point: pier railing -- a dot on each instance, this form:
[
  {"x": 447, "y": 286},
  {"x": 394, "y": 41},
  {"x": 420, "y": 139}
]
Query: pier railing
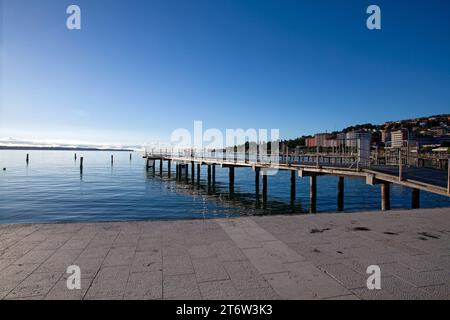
[{"x": 318, "y": 159}]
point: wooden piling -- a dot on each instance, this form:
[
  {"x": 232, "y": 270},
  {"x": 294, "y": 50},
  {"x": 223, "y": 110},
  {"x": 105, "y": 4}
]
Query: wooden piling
[
  {"x": 192, "y": 171},
  {"x": 312, "y": 194},
  {"x": 385, "y": 196},
  {"x": 81, "y": 165},
  {"x": 130, "y": 156},
  {"x": 340, "y": 194},
  {"x": 75, "y": 156},
  {"x": 147, "y": 165},
  {"x": 160, "y": 166},
  {"x": 293, "y": 186},
  {"x": 27, "y": 158},
  {"x": 198, "y": 173},
  {"x": 264, "y": 187},
  {"x": 186, "y": 171},
  {"x": 257, "y": 174},
  {"x": 209, "y": 174},
  {"x": 415, "y": 198},
  {"x": 231, "y": 179},
  {"x": 169, "y": 168},
  {"x": 112, "y": 159},
  {"x": 214, "y": 174}
]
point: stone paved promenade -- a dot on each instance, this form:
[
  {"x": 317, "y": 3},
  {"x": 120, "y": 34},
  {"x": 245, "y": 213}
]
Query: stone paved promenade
[{"x": 323, "y": 256}]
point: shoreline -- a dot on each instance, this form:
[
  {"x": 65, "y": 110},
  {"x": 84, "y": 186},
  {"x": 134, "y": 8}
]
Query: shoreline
[
  {"x": 61, "y": 149},
  {"x": 176, "y": 219}
]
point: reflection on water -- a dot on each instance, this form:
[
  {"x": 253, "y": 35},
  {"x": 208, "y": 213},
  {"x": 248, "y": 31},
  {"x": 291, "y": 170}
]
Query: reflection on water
[{"x": 51, "y": 188}]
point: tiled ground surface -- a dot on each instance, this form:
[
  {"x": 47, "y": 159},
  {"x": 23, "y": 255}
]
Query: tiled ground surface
[{"x": 322, "y": 256}]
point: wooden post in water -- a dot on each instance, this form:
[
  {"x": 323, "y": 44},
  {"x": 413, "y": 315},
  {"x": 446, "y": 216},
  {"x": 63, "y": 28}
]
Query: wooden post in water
[
  {"x": 209, "y": 174},
  {"x": 415, "y": 198},
  {"x": 264, "y": 187},
  {"x": 169, "y": 163},
  {"x": 257, "y": 174},
  {"x": 214, "y": 174},
  {"x": 186, "y": 171},
  {"x": 293, "y": 186},
  {"x": 340, "y": 194},
  {"x": 231, "y": 179},
  {"x": 177, "y": 171},
  {"x": 75, "y": 156},
  {"x": 160, "y": 166},
  {"x": 312, "y": 194},
  {"x": 147, "y": 165},
  {"x": 192, "y": 171},
  {"x": 198, "y": 173},
  {"x": 385, "y": 196},
  {"x": 130, "y": 156},
  {"x": 81, "y": 165},
  {"x": 112, "y": 160},
  {"x": 27, "y": 158}
]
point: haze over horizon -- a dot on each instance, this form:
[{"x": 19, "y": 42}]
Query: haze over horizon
[{"x": 137, "y": 70}]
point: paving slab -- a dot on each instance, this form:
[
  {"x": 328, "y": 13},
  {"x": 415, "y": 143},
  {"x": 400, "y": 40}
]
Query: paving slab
[{"x": 320, "y": 256}]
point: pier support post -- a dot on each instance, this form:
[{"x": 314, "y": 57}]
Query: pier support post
[
  {"x": 293, "y": 186},
  {"x": 75, "y": 156},
  {"x": 198, "y": 173},
  {"x": 264, "y": 187},
  {"x": 28, "y": 158},
  {"x": 147, "y": 165},
  {"x": 160, "y": 166},
  {"x": 257, "y": 174},
  {"x": 385, "y": 196},
  {"x": 415, "y": 198},
  {"x": 112, "y": 160},
  {"x": 81, "y": 165},
  {"x": 209, "y": 174},
  {"x": 130, "y": 156},
  {"x": 231, "y": 179},
  {"x": 169, "y": 163},
  {"x": 177, "y": 170},
  {"x": 186, "y": 171},
  {"x": 192, "y": 171},
  {"x": 214, "y": 174},
  {"x": 312, "y": 194},
  {"x": 340, "y": 194}
]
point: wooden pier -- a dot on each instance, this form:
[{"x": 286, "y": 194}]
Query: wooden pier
[{"x": 417, "y": 179}]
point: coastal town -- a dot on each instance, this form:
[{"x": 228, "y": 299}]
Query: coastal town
[{"x": 422, "y": 141}]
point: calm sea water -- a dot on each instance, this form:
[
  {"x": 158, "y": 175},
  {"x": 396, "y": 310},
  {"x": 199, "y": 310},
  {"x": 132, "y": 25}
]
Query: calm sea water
[{"x": 51, "y": 189}]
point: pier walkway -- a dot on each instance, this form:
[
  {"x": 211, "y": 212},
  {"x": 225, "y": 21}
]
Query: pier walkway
[
  {"x": 322, "y": 256},
  {"x": 311, "y": 166}
]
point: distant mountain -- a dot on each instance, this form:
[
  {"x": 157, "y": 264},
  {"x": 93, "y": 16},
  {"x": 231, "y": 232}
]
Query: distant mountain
[
  {"x": 10, "y": 143},
  {"x": 61, "y": 148}
]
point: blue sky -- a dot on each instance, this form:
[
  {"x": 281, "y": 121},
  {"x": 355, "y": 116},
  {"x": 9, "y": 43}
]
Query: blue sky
[{"x": 137, "y": 70}]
